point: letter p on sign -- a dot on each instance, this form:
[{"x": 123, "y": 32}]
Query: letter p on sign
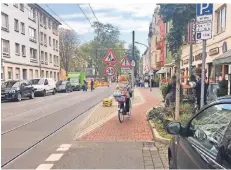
[{"x": 204, "y": 9}]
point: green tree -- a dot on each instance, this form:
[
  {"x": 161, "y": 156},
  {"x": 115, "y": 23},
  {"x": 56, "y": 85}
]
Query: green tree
[{"x": 180, "y": 15}]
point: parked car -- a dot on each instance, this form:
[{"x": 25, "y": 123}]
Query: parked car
[
  {"x": 204, "y": 142},
  {"x": 16, "y": 90},
  {"x": 44, "y": 86},
  {"x": 64, "y": 86}
]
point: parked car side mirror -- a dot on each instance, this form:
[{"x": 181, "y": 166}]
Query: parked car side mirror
[
  {"x": 46, "y": 83},
  {"x": 173, "y": 128}
]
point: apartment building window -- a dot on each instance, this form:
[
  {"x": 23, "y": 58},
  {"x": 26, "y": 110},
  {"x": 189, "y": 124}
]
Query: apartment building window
[
  {"x": 10, "y": 73},
  {"x": 5, "y": 48},
  {"x": 32, "y": 14},
  {"x": 23, "y": 50},
  {"x": 51, "y": 75},
  {"x": 33, "y": 54},
  {"x": 45, "y": 39},
  {"x": 56, "y": 45},
  {"x": 22, "y": 28},
  {"x": 55, "y": 76},
  {"x": 22, "y": 7},
  {"x": 41, "y": 38},
  {"x": 32, "y": 34},
  {"x": 17, "y": 49},
  {"x": 46, "y": 58},
  {"x": 221, "y": 19},
  {"x": 41, "y": 18},
  {"x": 16, "y": 5},
  {"x": 42, "y": 56},
  {"x": 16, "y": 25},
  {"x": 50, "y": 58},
  {"x": 49, "y": 23},
  {"x": 6, "y": 4},
  {"x": 50, "y": 41},
  {"x": 31, "y": 74},
  {"x": 2, "y": 73},
  {"x": 44, "y": 21},
  {"x": 54, "y": 60},
  {"x": 5, "y": 22},
  {"x": 36, "y": 74},
  {"x": 17, "y": 73},
  {"x": 53, "y": 44}
]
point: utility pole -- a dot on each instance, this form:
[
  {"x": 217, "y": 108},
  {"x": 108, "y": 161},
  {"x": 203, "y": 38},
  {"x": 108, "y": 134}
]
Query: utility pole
[
  {"x": 96, "y": 65},
  {"x": 133, "y": 57},
  {"x": 203, "y": 74},
  {"x": 190, "y": 52}
]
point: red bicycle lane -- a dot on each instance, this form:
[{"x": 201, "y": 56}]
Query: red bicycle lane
[{"x": 134, "y": 129}]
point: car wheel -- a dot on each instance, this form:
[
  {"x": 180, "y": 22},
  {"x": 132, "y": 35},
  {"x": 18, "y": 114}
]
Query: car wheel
[
  {"x": 54, "y": 92},
  {"x": 171, "y": 162},
  {"x": 19, "y": 97},
  {"x": 44, "y": 93},
  {"x": 32, "y": 95}
]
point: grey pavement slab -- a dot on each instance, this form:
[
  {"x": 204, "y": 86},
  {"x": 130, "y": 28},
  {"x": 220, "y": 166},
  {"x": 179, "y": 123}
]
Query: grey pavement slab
[{"x": 102, "y": 155}]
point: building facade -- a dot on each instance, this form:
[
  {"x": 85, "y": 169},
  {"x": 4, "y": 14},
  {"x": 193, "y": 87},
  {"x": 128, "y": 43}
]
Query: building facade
[
  {"x": 219, "y": 45},
  {"x": 30, "y": 43}
]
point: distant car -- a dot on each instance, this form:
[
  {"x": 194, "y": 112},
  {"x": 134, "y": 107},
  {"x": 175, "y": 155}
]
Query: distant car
[
  {"x": 44, "y": 86},
  {"x": 64, "y": 86},
  {"x": 16, "y": 90},
  {"x": 204, "y": 142}
]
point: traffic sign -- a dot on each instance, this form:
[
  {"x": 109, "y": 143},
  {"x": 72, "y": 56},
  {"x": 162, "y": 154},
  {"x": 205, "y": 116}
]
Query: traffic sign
[
  {"x": 204, "y": 21},
  {"x": 110, "y": 57},
  {"x": 109, "y": 70},
  {"x": 204, "y": 9},
  {"x": 125, "y": 63}
]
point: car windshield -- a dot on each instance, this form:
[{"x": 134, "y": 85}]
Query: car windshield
[
  {"x": 10, "y": 84},
  {"x": 37, "y": 81},
  {"x": 62, "y": 83}
]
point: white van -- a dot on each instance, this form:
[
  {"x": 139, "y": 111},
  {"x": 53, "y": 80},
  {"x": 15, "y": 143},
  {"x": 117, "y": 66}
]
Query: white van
[{"x": 44, "y": 86}]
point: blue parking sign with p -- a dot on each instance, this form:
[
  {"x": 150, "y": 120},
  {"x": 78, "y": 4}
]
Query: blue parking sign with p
[{"x": 204, "y": 9}]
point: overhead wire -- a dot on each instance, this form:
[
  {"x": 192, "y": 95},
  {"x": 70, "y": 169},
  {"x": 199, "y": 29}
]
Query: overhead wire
[
  {"x": 93, "y": 12},
  {"x": 85, "y": 15}
]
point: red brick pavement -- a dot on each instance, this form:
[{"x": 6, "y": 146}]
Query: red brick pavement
[{"x": 136, "y": 128}]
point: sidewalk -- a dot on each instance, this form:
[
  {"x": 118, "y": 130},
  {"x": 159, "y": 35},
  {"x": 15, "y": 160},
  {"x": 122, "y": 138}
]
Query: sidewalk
[{"x": 105, "y": 143}]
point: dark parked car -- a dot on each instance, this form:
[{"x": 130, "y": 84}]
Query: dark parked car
[
  {"x": 205, "y": 141},
  {"x": 63, "y": 86},
  {"x": 16, "y": 90}
]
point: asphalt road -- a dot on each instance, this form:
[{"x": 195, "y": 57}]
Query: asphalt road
[{"x": 29, "y": 124}]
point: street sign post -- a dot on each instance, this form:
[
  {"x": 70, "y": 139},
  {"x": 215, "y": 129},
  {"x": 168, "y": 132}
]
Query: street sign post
[
  {"x": 204, "y": 20},
  {"x": 110, "y": 57},
  {"x": 109, "y": 70}
]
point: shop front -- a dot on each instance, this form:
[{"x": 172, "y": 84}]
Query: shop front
[{"x": 223, "y": 69}]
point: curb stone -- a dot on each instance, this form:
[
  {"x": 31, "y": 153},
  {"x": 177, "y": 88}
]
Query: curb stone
[{"x": 156, "y": 135}]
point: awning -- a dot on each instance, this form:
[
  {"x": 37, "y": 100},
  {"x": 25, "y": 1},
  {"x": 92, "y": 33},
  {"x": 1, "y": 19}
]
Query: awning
[
  {"x": 223, "y": 59},
  {"x": 161, "y": 71}
]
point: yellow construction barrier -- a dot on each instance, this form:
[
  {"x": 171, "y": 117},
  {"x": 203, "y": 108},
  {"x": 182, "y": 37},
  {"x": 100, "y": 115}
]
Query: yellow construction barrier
[{"x": 107, "y": 102}]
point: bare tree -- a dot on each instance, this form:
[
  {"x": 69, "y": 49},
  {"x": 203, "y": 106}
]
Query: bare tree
[{"x": 68, "y": 42}]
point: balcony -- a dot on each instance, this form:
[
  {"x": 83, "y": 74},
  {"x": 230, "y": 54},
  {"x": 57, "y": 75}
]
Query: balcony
[
  {"x": 159, "y": 64},
  {"x": 158, "y": 45}
]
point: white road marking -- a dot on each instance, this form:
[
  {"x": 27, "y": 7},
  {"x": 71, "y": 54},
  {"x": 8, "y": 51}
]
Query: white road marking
[
  {"x": 54, "y": 157},
  {"x": 64, "y": 147},
  {"x": 45, "y": 166}
]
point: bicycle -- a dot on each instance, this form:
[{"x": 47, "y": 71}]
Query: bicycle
[{"x": 122, "y": 111}]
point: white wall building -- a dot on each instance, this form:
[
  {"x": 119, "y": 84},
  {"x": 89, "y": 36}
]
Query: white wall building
[{"x": 29, "y": 42}]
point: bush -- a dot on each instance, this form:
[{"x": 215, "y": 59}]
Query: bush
[{"x": 164, "y": 89}]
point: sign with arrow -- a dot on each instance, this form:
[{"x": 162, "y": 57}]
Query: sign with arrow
[
  {"x": 110, "y": 57},
  {"x": 125, "y": 62},
  {"x": 109, "y": 70}
]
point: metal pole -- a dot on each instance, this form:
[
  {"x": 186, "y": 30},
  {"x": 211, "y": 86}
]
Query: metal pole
[
  {"x": 191, "y": 49},
  {"x": 150, "y": 62},
  {"x": 133, "y": 57},
  {"x": 203, "y": 73}
]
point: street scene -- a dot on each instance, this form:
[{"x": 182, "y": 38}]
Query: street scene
[{"x": 99, "y": 86}]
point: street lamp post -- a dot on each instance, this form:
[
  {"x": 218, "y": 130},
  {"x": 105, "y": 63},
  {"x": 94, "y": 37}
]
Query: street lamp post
[
  {"x": 133, "y": 64},
  {"x": 149, "y": 55}
]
